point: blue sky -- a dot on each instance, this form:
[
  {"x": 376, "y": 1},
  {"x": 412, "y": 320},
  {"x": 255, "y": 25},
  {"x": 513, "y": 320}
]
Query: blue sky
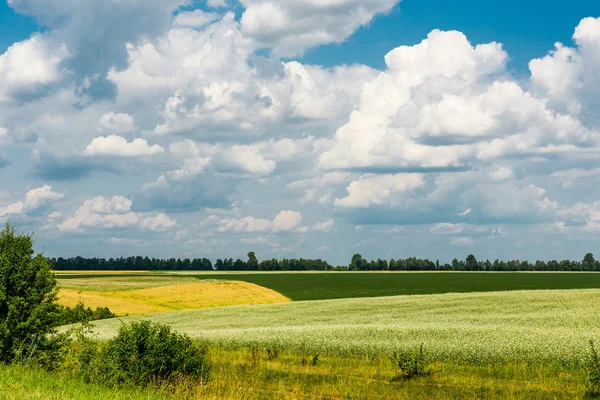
[{"x": 302, "y": 129}]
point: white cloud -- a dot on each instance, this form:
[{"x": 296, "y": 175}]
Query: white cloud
[
  {"x": 246, "y": 224},
  {"x": 287, "y": 220},
  {"x": 40, "y": 197},
  {"x": 447, "y": 229},
  {"x": 216, "y": 3},
  {"x": 194, "y": 19},
  {"x": 466, "y": 212},
  {"x": 290, "y": 27},
  {"x": 117, "y": 123},
  {"x": 102, "y": 213},
  {"x": 461, "y": 241},
  {"x": 284, "y": 221},
  {"x": 324, "y": 226},
  {"x": 30, "y": 66},
  {"x": 379, "y": 189},
  {"x": 118, "y": 146},
  {"x": 36, "y": 200},
  {"x": 12, "y": 209}
]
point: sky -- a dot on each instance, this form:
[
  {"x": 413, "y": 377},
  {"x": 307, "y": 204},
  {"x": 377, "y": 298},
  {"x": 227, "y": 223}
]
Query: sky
[{"x": 315, "y": 129}]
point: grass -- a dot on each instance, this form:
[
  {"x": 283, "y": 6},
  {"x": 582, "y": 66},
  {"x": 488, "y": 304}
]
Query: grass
[
  {"x": 27, "y": 383},
  {"x": 246, "y": 375},
  {"x": 174, "y": 297},
  {"x": 339, "y": 285},
  {"x": 475, "y": 328}
]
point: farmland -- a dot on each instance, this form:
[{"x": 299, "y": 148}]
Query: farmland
[
  {"x": 486, "y": 335},
  {"x": 299, "y": 286},
  {"x": 475, "y": 328},
  {"x": 204, "y": 294}
]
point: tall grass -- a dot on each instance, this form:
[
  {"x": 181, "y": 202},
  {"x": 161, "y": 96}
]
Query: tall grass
[{"x": 242, "y": 375}]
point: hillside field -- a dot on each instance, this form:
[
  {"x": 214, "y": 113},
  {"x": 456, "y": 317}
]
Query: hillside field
[
  {"x": 483, "y": 337},
  {"x": 338, "y": 285},
  {"x": 475, "y": 328}
]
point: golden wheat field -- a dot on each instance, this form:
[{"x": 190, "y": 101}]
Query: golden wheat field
[{"x": 173, "y": 297}]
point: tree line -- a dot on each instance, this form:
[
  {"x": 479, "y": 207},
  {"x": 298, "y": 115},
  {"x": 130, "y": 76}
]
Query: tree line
[{"x": 358, "y": 263}]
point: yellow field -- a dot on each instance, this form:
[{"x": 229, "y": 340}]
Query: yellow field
[
  {"x": 110, "y": 283},
  {"x": 208, "y": 294}
]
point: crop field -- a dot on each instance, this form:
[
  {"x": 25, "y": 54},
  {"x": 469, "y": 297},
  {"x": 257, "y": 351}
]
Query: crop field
[
  {"x": 164, "y": 295},
  {"x": 338, "y": 285},
  {"x": 475, "y": 328}
]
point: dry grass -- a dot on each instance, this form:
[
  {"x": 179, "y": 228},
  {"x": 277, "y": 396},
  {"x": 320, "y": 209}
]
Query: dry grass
[
  {"x": 178, "y": 297},
  {"x": 129, "y": 282},
  {"x": 102, "y": 272}
]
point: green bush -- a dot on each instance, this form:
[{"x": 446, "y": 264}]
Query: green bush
[
  {"x": 593, "y": 387},
  {"x": 79, "y": 313},
  {"x": 146, "y": 352},
  {"x": 412, "y": 364},
  {"x": 28, "y": 309}
]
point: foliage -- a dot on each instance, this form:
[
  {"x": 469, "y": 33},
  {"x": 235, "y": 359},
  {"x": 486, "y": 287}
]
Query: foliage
[
  {"x": 79, "y": 313},
  {"x": 358, "y": 263},
  {"x": 593, "y": 387},
  {"x": 28, "y": 311},
  {"x": 412, "y": 364},
  {"x": 145, "y": 352}
]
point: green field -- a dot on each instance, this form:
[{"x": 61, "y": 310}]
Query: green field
[
  {"x": 338, "y": 285},
  {"x": 475, "y": 328}
]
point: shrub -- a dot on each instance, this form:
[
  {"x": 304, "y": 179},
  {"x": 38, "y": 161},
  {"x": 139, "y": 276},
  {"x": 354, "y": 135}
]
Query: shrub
[
  {"x": 28, "y": 308},
  {"x": 79, "y": 313},
  {"x": 593, "y": 387},
  {"x": 412, "y": 364},
  {"x": 146, "y": 352}
]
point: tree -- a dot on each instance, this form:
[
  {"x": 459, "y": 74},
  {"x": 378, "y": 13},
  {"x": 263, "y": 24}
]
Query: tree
[
  {"x": 358, "y": 263},
  {"x": 471, "y": 263},
  {"x": 588, "y": 262},
  {"x": 252, "y": 261},
  {"x": 28, "y": 290}
]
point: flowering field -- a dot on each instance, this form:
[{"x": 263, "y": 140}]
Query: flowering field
[{"x": 529, "y": 326}]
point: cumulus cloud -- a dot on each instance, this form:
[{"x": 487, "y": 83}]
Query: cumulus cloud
[
  {"x": 87, "y": 30},
  {"x": 290, "y": 27},
  {"x": 36, "y": 201},
  {"x": 284, "y": 221},
  {"x": 116, "y": 123},
  {"x": 287, "y": 220},
  {"x": 102, "y": 213},
  {"x": 194, "y": 19},
  {"x": 324, "y": 226},
  {"x": 30, "y": 68},
  {"x": 119, "y": 147},
  {"x": 379, "y": 189}
]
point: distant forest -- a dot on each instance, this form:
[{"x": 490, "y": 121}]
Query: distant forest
[{"x": 358, "y": 263}]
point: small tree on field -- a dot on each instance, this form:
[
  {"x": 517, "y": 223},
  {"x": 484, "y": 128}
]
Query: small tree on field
[{"x": 28, "y": 308}]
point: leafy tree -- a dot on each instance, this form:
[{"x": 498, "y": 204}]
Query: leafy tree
[
  {"x": 471, "y": 263},
  {"x": 358, "y": 263},
  {"x": 28, "y": 308},
  {"x": 252, "y": 261},
  {"x": 588, "y": 261}
]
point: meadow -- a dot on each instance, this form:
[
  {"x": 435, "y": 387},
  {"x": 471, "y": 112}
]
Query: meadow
[{"x": 240, "y": 374}]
